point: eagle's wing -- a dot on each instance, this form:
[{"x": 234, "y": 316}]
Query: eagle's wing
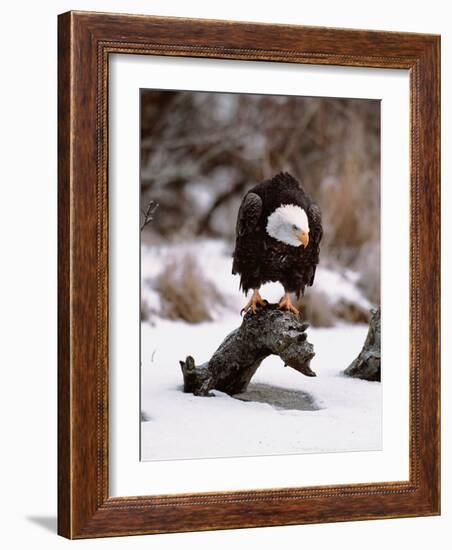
[
  {"x": 315, "y": 236},
  {"x": 249, "y": 213},
  {"x": 245, "y": 256}
]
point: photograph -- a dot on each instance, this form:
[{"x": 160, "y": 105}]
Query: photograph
[
  {"x": 260, "y": 275},
  {"x": 224, "y": 325}
]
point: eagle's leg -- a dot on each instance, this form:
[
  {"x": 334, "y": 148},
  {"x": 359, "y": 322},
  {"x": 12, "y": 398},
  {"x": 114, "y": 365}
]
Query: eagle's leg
[
  {"x": 286, "y": 304},
  {"x": 255, "y": 300}
]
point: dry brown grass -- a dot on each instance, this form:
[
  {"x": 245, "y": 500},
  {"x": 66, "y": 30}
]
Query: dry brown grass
[
  {"x": 185, "y": 293},
  {"x": 368, "y": 266},
  {"x": 319, "y": 311},
  {"x": 144, "y": 312},
  {"x": 316, "y": 308},
  {"x": 351, "y": 312}
]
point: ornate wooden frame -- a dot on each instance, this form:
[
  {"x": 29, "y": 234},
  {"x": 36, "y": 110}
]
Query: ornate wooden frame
[{"x": 85, "y": 41}]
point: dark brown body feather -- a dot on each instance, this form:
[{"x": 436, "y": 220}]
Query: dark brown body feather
[{"x": 259, "y": 258}]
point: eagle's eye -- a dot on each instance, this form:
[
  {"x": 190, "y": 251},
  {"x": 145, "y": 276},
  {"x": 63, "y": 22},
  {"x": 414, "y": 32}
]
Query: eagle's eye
[{"x": 295, "y": 227}]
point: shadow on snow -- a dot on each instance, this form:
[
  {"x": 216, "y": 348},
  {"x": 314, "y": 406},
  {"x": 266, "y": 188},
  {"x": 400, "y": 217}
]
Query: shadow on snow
[{"x": 279, "y": 398}]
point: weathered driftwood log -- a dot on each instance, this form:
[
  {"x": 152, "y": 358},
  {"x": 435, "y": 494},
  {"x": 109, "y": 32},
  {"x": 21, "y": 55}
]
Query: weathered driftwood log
[
  {"x": 368, "y": 363},
  {"x": 267, "y": 332}
]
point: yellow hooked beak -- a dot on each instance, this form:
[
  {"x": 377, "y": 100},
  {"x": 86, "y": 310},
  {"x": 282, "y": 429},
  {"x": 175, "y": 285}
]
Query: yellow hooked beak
[{"x": 304, "y": 238}]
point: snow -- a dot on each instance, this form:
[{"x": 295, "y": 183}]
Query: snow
[
  {"x": 341, "y": 286},
  {"x": 337, "y": 413},
  {"x": 283, "y": 411}
]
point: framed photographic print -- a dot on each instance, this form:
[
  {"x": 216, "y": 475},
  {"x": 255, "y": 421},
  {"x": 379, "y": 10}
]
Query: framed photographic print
[{"x": 248, "y": 275}]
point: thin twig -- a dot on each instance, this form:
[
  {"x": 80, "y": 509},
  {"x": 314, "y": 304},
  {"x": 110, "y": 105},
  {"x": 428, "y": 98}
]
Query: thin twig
[{"x": 148, "y": 214}]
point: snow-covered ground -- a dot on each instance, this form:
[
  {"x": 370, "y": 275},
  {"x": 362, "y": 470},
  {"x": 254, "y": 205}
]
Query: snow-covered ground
[
  {"x": 347, "y": 415},
  {"x": 283, "y": 410}
]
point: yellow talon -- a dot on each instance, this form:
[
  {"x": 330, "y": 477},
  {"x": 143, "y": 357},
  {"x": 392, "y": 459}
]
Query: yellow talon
[
  {"x": 286, "y": 305},
  {"x": 255, "y": 300}
]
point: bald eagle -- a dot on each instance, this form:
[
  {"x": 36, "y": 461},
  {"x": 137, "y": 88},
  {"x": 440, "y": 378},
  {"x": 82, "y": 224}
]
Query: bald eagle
[{"x": 278, "y": 234}]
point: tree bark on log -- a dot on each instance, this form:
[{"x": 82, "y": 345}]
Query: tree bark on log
[
  {"x": 269, "y": 331},
  {"x": 367, "y": 365}
]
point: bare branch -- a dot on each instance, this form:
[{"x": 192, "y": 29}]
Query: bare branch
[
  {"x": 231, "y": 367},
  {"x": 148, "y": 214}
]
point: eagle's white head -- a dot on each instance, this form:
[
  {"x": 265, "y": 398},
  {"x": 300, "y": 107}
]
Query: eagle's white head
[{"x": 289, "y": 224}]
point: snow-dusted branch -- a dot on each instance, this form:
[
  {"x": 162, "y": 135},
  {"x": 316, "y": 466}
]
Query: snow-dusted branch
[{"x": 267, "y": 332}]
